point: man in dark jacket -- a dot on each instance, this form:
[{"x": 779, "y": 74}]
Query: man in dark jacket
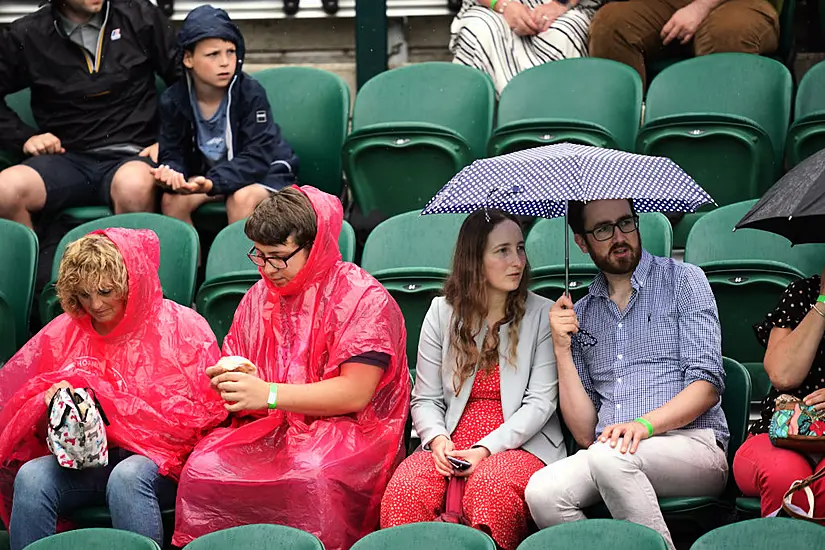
[
  {"x": 218, "y": 140},
  {"x": 90, "y": 65}
]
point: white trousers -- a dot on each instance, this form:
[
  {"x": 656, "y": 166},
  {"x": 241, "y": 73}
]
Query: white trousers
[{"x": 680, "y": 463}]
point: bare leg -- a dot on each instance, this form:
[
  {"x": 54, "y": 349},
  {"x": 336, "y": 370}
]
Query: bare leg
[
  {"x": 182, "y": 206},
  {"x": 133, "y": 188},
  {"x": 22, "y": 193},
  {"x": 242, "y": 203}
]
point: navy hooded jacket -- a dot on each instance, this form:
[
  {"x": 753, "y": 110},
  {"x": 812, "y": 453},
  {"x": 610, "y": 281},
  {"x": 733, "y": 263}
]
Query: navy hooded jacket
[{"x": 256, "y": 151}]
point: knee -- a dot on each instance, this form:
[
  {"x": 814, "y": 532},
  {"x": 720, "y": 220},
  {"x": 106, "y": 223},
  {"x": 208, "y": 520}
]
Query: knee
[
  {"x": 242, "y": 202},
  {"x": 723, "y": 33},
  {"x": 174, "y": 205},
  {"x": 33, "y": 478},
  {"x": 610, "y": 24},
  {"x": 130, "y": 476},
  {"x": 17, "y": 186},
  {"x": 133, "y": 187},
  {"x": 545, "y": 497},
  {"x": 607, "y": 464}
]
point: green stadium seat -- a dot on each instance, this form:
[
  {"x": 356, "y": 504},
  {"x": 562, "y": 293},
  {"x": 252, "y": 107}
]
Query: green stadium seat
[
  {"x": 430, "y": 535},
  {"x": 18, "y": 265},
  {"x": 179, "y": 248},
  {"x": 257, "y": 537},
  {"x": 95, "y": 539},
  {"x": 545, "y": 250},
  {"x": 596, "y": 534},
  {"x": 763, "y": 534},
  {"x": 413, "y": 128},
  {"x": 748, "y": 270},
  {"x": 807, "y": 133},
  {"x": 729, "y": 134},
  {"x": 600, "y": 104},
  {"x": 229, "y": 274},
  {"x": 411, "y": 256}
]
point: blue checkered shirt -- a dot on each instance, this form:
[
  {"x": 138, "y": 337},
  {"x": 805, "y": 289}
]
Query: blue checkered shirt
[{"x": 667, "y": 337}]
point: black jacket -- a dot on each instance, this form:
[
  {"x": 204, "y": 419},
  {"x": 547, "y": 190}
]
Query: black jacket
[
  {"x": 256, "y": 151},
  {"x": 87, "y": 109}
]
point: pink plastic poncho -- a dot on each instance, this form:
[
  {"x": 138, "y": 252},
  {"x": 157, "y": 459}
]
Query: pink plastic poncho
[
  {"x": 322, "y": 475},
  {"x": 148, "y": 374}
]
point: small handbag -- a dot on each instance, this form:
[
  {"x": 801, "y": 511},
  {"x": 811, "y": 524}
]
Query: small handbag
[
  {"x": 76, "y": 433},
  {"x": 453, "y": 502},
  {"x": 796, "y": 426}
]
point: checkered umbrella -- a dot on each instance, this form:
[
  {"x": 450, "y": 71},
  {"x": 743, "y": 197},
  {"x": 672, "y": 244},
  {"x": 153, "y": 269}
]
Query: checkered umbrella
[{"x": 540, "y": 181}]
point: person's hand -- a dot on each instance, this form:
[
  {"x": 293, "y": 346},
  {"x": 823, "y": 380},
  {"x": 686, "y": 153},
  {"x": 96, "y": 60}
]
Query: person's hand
[
  {"x": 241, "y": 391},
  {"x": 168, "y": 177},
  {"x": 816, "y": 399},
  {"x": 440, "y": 447},
  {"x": 520, "y": 19},
  {"x": 684, "y": 23},
  {"x": 151, "y": 152},
  {"x": 563, "y": 322},
  {"x": 474, "y": 456},
  {"x": 56, "y": 388},
  {"x": 630, "y": 432},
  {"x": 196, "y": 184},
  {"x": 545, "y": 14},
  {"x": 43, "y": 144}
]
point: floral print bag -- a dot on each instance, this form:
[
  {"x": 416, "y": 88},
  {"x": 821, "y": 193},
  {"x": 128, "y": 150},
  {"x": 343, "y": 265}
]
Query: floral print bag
[{"x": 797, "y": 426}]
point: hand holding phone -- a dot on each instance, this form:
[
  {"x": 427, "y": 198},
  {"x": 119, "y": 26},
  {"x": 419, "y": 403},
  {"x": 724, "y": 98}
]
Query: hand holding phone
[{"x": 458, "y": 463}]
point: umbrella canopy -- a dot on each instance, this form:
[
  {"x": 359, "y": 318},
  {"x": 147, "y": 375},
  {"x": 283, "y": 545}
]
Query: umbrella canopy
[
  {"x": 795, "y": 206},
  {"x": 540, "y": 181}
]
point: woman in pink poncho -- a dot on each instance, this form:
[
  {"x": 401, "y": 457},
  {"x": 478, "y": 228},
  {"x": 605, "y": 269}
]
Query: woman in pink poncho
[
  {"x": 143, "y": 356},
  {"x": 319, "y": 425}
]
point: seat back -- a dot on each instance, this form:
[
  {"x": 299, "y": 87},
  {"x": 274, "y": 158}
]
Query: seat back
[
  {"x": 312, "y": 107},
  {"x": 596, "y": 534},
  {"x": 807, "y": 133},
  {"x": 411, "y": 256},
  {"x": 95, "y": 539},
  {"x": 179, "y": 248},
  {"x": 736, "y": 402},
  {"x": 445, "y": 94},
  {"x": 257, "y": 536},
  {"x": 430, "y": 535},
  {"x": 603, "y": 92},
  {"x": 18, "y": 265},
  {"x": 729, "y": 135},
  {"x": 762, "y": 534}
]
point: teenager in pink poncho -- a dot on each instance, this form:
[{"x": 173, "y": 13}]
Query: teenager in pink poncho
[
  {"x": 319, "y": 427},
  {"x": 143, "y": 356}
]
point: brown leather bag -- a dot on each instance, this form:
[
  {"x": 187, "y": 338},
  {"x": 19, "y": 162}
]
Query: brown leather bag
[
  {"x": 803, "y": 485},
  {"x": 453, "y": 502}
]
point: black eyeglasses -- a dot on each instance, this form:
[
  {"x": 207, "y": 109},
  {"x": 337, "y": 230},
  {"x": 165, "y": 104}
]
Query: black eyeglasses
[
  {"x": 274, "y": 261},
  {"x": 606, "y": 231}
]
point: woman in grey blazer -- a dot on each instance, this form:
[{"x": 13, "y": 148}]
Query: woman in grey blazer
[{"x": 484, "y": 402}]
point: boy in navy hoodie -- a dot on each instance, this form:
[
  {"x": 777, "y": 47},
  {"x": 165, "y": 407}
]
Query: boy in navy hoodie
[{"x": 217, "y": 139}]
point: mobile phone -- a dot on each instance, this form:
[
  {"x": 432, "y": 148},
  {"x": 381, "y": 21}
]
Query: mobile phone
[{"x": 458, "y": 463}]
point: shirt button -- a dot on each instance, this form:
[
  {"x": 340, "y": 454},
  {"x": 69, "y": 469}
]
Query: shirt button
[
  {"x": 620, "y": 325},
  {"x": 619, "y": 356},
  {"x": 619, "y": 406},
  {"x": 619, "y": 380}
]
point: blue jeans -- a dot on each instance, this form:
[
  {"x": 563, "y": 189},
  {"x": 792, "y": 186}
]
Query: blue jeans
[{"x": 130, "y": 486}]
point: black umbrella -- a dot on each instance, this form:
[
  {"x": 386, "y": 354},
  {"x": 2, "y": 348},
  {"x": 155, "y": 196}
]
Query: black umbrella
[{"x": 795, "y": 206}]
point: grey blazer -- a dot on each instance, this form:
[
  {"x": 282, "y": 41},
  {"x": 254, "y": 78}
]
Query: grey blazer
[{"x": 529, "y": 389}]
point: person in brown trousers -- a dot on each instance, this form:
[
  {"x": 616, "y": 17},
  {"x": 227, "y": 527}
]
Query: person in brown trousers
[{"x": 638, "y": 31}]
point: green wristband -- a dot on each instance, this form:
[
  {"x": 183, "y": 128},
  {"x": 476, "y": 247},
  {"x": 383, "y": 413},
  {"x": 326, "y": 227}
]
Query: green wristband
[
  {"x": 272, "y": 401},
  {"x": 821, "y": 298},
  {"x": 493, "y": 4},
  {"x": 646, "y": 424}
]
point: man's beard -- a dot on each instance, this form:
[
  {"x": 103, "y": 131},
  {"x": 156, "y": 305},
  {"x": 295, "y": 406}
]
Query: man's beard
[{"x": 619, "y": 266}]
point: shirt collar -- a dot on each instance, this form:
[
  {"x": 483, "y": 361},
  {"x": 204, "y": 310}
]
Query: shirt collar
[
  {"x": 68, "y": 26},
  {"x": 599, "y": 285}
]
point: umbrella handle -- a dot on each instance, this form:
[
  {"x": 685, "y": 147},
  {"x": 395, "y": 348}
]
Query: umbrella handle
[{"x": 566, "y": 252}]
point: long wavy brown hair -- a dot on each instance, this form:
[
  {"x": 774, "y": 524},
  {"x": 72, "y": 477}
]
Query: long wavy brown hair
[{"x": 466, "y": 291}]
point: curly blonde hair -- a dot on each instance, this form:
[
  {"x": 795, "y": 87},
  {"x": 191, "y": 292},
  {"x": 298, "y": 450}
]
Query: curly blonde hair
[
  {"x": 89, "y": 263},
  {"x": 466, "y": 291}
]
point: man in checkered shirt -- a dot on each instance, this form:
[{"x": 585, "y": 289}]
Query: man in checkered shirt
[{"x": 640, "y": 386}]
